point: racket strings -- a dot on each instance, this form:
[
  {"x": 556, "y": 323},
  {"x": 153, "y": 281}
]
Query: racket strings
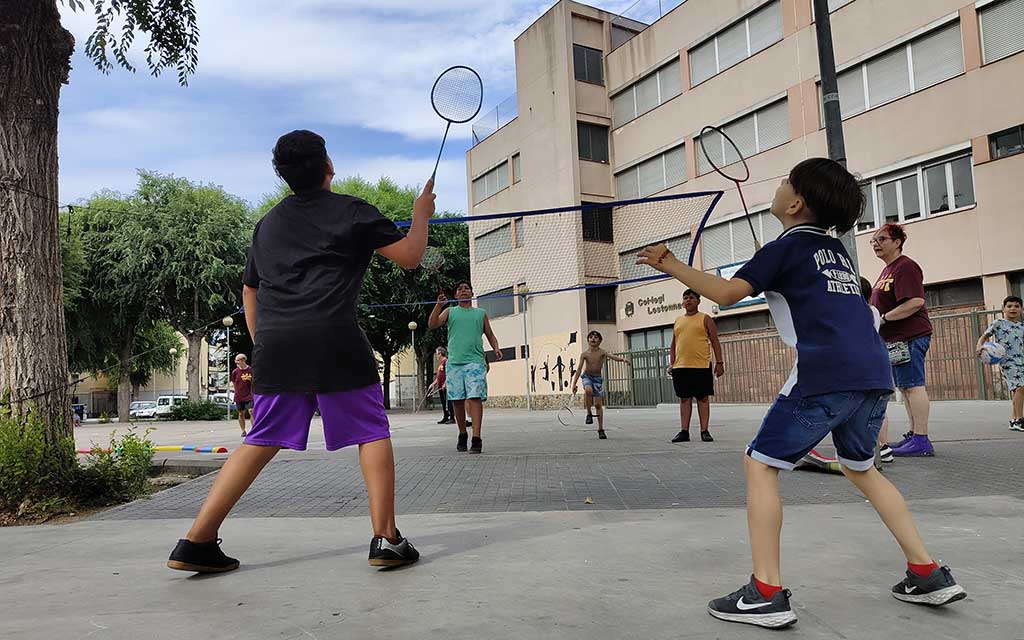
[
  {"x": 433, "y": 259},
  {"x": 457, "y": 94}
]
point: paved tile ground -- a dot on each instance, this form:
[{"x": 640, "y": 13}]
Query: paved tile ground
[{"x": 531, "y": 463}]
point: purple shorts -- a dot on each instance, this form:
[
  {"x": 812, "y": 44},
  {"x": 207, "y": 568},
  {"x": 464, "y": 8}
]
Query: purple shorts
[{"x": 350, "y": 417}]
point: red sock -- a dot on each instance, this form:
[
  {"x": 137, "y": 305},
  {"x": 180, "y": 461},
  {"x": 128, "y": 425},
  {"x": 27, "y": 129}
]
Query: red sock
[
  {"x": 923, "y": 570},
  {"x": 767, "y": 590}
]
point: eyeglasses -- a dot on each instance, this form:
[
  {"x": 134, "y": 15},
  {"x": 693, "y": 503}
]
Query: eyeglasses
[{"x": 878, "y": 239}]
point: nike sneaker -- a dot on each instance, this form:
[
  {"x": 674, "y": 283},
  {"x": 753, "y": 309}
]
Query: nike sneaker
[
  {"x": 885, "y": 453},
  {"x": 903, "y": 440},
  {"x": 1017, "y": 425},
  {"x": 937, "y": 589},
  {"x": 916, "y": 447},
  {"x": 383, "y": 553},
  {"x": 748, "y": 606}
]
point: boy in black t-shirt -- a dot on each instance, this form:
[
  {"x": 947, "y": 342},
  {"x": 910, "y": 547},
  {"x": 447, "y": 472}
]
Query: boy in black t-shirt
[{"x": 301, "y": 283}]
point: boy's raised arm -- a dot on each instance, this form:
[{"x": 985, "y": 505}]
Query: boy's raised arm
[{"x": 717, "y": 288}]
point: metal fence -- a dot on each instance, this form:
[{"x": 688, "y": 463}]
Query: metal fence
[
  {"x": 496, "y": 118},
  {"x": 758, "y": 366}
]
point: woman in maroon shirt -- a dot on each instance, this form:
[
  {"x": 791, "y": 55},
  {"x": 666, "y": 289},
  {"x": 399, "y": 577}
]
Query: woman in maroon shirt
[{"x": 898, "y": 295}]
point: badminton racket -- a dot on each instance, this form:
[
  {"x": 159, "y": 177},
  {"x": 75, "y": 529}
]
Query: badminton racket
[
  {"x": 457, "y": 96},
  {"x": 432, "y": 262},
  {"x": 566, "y": 416},
  {"x": 727, "y": 161}
]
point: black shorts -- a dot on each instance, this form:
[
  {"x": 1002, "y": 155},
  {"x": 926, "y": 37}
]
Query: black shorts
[
  {"x": 693, "y": 382},
  {"x": 243, "y": 405}
]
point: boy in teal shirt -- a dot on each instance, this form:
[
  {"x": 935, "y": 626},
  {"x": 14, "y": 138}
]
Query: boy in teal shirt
[{"x": 467, "y": 367}]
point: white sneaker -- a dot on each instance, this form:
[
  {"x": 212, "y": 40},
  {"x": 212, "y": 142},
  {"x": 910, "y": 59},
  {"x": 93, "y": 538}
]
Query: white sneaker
[{"x": 1017, "y": 425}]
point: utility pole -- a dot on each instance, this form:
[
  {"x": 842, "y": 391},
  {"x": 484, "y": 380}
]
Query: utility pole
[{"x": 830, "y": 98}]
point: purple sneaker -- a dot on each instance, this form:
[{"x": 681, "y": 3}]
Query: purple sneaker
[
  {"x": 904, "y": 439},
  {"x": 916, "y": 447}
]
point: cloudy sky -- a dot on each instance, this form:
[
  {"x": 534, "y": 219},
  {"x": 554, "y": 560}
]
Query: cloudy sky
[{"x": 359, "y": 72}]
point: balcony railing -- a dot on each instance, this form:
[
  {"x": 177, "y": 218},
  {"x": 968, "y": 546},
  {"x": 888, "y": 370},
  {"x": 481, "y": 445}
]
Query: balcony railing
[
  {"x": 496, "y": 118},
  {"x": 637, "y": 17}
]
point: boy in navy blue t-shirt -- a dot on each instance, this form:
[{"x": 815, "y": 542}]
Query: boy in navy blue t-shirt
[{"x": 840, "y": 383}]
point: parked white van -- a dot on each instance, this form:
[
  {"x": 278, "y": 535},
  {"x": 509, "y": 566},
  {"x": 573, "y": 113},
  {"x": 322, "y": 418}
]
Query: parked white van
[{"x": 164, "y": 404}]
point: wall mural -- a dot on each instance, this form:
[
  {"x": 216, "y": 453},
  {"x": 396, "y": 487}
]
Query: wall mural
[{"x": 553, "y": 363}]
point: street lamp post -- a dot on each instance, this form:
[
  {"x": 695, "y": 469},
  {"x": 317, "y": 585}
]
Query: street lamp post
[
  {"x": 415, "y": 368},
  {"x": 174, "y": 376},
  {"x": 227, "y": 322},
  {"x": 523, "y": 292}
]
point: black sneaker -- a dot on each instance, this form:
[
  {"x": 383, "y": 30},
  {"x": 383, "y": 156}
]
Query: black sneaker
[
  {"x": 601, "y": 435},
  {"x": 463, "y": 439},
  {"x": 682, "y": 436},
  {"x": 937, "y": 589},
  {"x": 590, "y": 419},
  {"x": 885, "y": 453},
  {"x": 705, "y": 436},
  {"x": 477, "y": 446},
  {"x": 205, "y": 557},
  {"x": 443, "y": 421},
  {"x": 748, "y": 606},
  {"x": 385, "y": 554}
]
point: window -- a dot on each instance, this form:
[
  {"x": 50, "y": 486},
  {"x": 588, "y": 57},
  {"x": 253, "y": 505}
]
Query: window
[
  {"x": 744, "y": 322},
  {"x": 1016, "y": 283},
  {"x": 490, "y": 183},
  {"x": 493, "y": 243},
  {"x": 1002, "y": 29},
  {"x": 731, "y": 242},
  {"x": 753, "y": 133},
  {"x": 659, "y": 338},
  {"x": 1007, "y": 143},
  {"x": 593, "y": 142},
  {"x": 652, "y": 175},
  {"x": 601, "y": 304},
  {"x": 642, "y": 96},
  {"x": 628, "y": 269},
  {"x": 919, "y": 191},
  {"x": 597, "y": 223},
  {"x": 517, "y": 169},
  {"x": 910, "y": 67},
  {"x": 621, "y": 35},
  {"x": 519, "y": 229},
  {"x": 954, "y": 294},
  {"x": 836, "y": 4},
  {"x": 587, "y": 64},
  {"x": 736, "y": 43},
  {"x": 501, "y": 304}
]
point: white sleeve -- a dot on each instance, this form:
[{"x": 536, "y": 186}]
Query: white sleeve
[{"x": 876, "y": 317}]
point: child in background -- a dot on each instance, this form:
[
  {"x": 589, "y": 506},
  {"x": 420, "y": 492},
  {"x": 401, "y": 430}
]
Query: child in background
[
  {"x": 1009, "y": 332},
  {"x": 591, "y": 366}
]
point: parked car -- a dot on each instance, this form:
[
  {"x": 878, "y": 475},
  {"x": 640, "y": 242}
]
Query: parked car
[
  {"x": 223, "y": 400},
  {"x": 80, "y": 409},
  {"x": 142, "y": 410},
  {"x": 165, "y": 403}
]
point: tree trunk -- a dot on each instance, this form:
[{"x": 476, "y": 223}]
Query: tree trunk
[
  {"x": 124, "y": 384},
  {"x": 195, "y": 349},
  {"x": 135, "y": 390},
  {"x": 35, "y": 56},
  {"x": 387, "y": 379}
]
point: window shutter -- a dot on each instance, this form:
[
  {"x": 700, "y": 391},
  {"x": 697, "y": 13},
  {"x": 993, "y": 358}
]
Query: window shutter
[
  {"x": 675, "y": 166},
  {"x": 716, "y": 246},
  {"x": 937, "y": 56},
  {"x": 888, "y": 78},
  {"x": 771, "y": 228},
  {"x": 742, "y": 241},
  {"x": 652, "y": 176},
  {"x": 1002, "y": 29},
  {"x": 743, "y": 135},
  {"x": 671, "y": 81},
  {"x": 732, "y": 45},
  {"x": 647, "y": 94},
  {"x": 623, "y": 108},
  {"x": 680, "y": 247},
  {"x": 494, "y": 243},
  {"x": 772, "y": 126},
  {"x": 709, "y": 146},
  {"x": 628, "y": 269},
  {"x": 626, "y": 184},
  {"x": 502, "y": 176},
  {"x": 702, "y": 62},
  {"x": 765, "y": 27},
  {"x": 851, "y": 91}
]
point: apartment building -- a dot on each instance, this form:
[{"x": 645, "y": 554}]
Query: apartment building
[{"x": 932, "y": 95}]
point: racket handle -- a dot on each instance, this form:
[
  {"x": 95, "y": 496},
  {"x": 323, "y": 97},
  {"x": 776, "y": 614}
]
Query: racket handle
[{"x": 433, "y": 174}]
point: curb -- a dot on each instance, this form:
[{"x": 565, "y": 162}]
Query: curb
[{"x": 185, "y": 467}]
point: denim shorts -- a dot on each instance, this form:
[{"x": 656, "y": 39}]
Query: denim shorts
[
  {"x": 596, "y": 384},
  {"x": 795, "y": 424},
  {"x": 911, "y": 374}
]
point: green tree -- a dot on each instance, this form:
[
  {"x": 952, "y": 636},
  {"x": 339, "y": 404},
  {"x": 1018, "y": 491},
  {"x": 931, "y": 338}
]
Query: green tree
[
  {"x": 35, "y": 60},
  {"x": 199, "y": 237},
  {"x": 396, "y": 290},
  {"x": 111, "y": 302}
]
